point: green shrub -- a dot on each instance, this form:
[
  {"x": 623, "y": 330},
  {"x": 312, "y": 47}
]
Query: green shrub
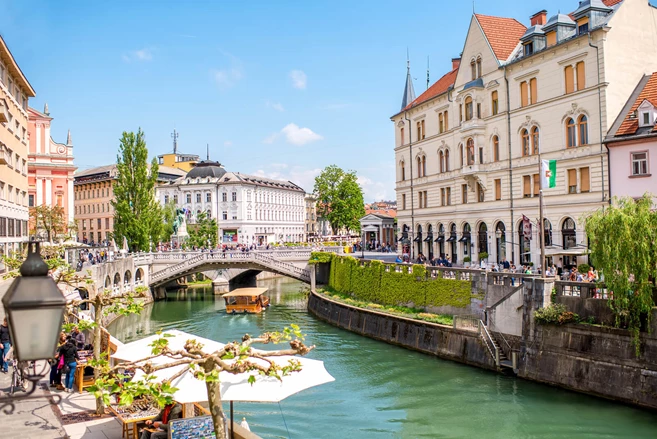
[
  {"x": 583, "y": 268},
  {"x": 467, "y": 259},
  {"x": 555, "y": 314},
  {"x": 320, "y": 257},
  {"x": 483, "y": 255}
]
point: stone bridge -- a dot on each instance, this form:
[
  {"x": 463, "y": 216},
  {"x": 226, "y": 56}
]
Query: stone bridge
[{"x": 157, "y": 269}]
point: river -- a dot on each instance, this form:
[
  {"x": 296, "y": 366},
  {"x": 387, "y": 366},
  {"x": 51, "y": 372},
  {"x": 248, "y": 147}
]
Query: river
[{"x": 383, "y": 391}]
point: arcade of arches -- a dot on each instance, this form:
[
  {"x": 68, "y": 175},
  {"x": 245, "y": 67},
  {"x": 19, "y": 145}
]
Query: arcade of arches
[{"x": 457, "y": 241}]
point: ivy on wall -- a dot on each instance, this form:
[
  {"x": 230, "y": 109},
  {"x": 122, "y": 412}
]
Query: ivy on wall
[{"x": 372, "y": 283}]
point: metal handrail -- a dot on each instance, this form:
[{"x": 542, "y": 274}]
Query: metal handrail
[
  {"x": 485, "y": 335},
  {"x": 494, "y": 329}
]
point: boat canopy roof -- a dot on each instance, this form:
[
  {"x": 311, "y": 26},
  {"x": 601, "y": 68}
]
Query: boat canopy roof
[{"x": 245, "y": 292}]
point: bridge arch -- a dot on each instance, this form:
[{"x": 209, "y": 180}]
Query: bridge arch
[
  {"x": 127, "y": 278},
  {"x": 117, "y": 280},
  {"x": 108, "y": 282},
  {"x": 139, "y": 276}
]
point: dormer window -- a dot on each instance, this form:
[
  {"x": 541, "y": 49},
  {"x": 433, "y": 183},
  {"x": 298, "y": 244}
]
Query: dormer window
[
  {"x": 645, "y": 118},
  {"x": 529, "y": 49},
  {"x": 583, "y": 28},
  {"x": 646, "y": 114}
]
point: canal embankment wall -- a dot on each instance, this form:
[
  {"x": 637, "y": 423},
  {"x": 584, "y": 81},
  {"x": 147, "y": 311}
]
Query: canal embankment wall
[
  {"x": 430, "y": 338},
  {"x": 596, "y": 359}
]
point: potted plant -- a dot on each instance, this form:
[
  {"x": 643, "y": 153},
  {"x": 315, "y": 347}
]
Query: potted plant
[
  {"x": 466, "y": 261},
  {"x": 483, "y": 256}
]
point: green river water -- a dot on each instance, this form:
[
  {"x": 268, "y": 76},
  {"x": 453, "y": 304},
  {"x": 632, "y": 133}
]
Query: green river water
[{"x": 383, "y": 391}]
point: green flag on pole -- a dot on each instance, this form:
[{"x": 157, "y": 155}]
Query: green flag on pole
[{"x": 549, "y": 173}]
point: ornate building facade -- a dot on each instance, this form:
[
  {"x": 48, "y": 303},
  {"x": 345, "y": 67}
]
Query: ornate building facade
[
  {"x": 50, "y": 166},
  {"x": 15, "y": 91},
  {"x": 248, "y": 209},
  {"x": 467, "y": 150}
]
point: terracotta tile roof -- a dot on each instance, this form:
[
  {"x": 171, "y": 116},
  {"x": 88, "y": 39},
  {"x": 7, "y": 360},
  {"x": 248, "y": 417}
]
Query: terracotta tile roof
[
  {"x": 610, "y": 3},
  {"x": 439, "y": 87},
  {"x": 503, "y": 34},
  {"x": 649, "y": 93},
  {"x": 390, "y": 212}
]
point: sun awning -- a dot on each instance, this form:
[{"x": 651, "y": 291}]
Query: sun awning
[
  {"x": 428, "y": 239},
  {"x": 439, "y": 239},
  {"x": 417, "y": 239},
  {"x": 451, "y": 238},
  {"x": 578, "y": 251},
  {"x": 464, "y": 238}
]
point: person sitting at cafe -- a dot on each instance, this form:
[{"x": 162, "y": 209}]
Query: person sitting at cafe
[{"x": 161, "y": 422}]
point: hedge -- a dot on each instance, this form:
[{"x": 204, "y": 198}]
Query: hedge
[{"x": 372, "y": 283}]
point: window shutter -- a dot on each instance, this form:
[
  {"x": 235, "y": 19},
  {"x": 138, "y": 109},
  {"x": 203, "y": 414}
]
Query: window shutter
[
  {"x": 585, "y": 179},
  {"x": 534, "y": 90},
  {"x": 537, "y": 184},
  {"x": 526, "y": 186},
  {"x": 523, "y": 94},
  {"x": 498, "y": 189},
  {"x": 572, "y": 181},
  {"x": 570, "y": 86},
  {"x": 581, "y": 75}
]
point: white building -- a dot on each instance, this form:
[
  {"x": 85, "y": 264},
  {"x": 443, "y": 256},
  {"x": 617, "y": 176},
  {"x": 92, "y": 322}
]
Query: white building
[
  {"x": 467, "y": 150},
  {"x": 248, "y": 209}
]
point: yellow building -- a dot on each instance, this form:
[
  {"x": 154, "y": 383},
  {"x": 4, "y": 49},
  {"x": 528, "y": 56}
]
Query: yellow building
[
  {"x": 183, "y": 162},
  {"x": 15, "y": 91}
]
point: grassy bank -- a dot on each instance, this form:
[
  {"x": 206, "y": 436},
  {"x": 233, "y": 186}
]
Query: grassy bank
[{"x": 399, "y": 311}]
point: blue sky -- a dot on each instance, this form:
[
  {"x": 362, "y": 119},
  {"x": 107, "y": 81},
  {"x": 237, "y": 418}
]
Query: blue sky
[{"x": 278, "y": 88}]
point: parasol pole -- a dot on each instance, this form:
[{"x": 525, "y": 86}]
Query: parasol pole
[{"x": 232, "y": 420}]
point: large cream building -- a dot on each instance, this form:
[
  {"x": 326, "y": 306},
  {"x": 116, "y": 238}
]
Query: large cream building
[
  {"x": 15, "y": 91},
  {"x": 467, "y": 150}
]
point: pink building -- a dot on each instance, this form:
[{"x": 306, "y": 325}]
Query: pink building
[
  {"x": 632, "y": 143},
  {"x": 50, "y": 165}
]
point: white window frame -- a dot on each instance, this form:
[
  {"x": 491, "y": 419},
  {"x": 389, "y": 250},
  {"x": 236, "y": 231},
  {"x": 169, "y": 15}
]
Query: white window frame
[{"x": 633, "y": 160}]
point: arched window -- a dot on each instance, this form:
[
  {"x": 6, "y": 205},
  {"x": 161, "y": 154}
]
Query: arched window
[
  {"x": 479, "y": 67},
  {"x": 524, "y": 135},
  {"x": 500, "y": 239},
  {"x": 571, "y": 134},
  {"x": 419, "y": 166},
  {"x": 525, "y": 245},
  {"x": 535, "y": 140},
  {"x": 471, "y": 151},
  {"x": 582, "y": 129},
  {"x": 418, "y": 239},
  {"x": 473, "y": 69},
  {"x": 494, "y": 103},
  {"x": 403, "y": 170},
  {"x": 461, "y": 153},
  {"x": 569, "y": 234},
  {"x": 483, "y": 238},
  {"x": 424, "y": 166},
  {"x": 496, "y": 149},
  {"x": 441, "y": 158},
  {"x": 447, "y": 160},
  {"x": 452, "y": 240},
  {"x": 441, "y": 240},
  {"x": 547, "y": 232},
  {"x": 429, "y": 241},
  {"x": 466, "y": 239},
  {"x": 468, "y": 108},
  {"x": 401, "y": 136}
]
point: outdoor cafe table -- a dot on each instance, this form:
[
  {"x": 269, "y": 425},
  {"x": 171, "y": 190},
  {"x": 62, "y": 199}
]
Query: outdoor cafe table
[{"x": 127, "y": 418}]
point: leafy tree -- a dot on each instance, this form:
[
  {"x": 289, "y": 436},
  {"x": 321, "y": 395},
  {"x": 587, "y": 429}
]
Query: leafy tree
[
  {"x": 339, "y": 198},
  {"x": 137, "y": 214},
  {"x": 206, "y": 366},
  {"x": 205, "y": 230},
  {"x": 48, "y": 219},
  {"x": 622, "y": 242},
  {"x": 169, "y": 217}
]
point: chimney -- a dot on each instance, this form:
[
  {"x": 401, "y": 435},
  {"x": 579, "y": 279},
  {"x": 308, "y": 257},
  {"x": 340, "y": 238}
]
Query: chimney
[
  {"x": 456, "y": 62},
  {"x": 539, "y": 18}
]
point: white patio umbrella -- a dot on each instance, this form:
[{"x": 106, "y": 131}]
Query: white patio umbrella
[
  {"x": 125, "y": 248},
  {"x": 234, "y": 387}
]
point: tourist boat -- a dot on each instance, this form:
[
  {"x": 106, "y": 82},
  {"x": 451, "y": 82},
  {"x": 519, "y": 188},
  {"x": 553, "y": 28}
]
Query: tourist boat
[{"x": 247, "y": 300}]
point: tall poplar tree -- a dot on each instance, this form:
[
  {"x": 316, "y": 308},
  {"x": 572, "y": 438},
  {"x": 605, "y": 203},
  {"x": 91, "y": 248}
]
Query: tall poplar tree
[
  {"x": 137, "y": 214},
  {"x": 339, "y": 198}
]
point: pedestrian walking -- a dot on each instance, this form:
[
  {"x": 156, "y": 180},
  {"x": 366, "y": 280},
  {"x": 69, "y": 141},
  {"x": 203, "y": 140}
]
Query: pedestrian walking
[
  {"x": 5, "y": 342},
  {"x": 70, "y": 354}
]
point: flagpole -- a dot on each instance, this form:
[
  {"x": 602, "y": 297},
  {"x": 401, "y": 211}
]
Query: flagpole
[{"x": 541, "y": 226}]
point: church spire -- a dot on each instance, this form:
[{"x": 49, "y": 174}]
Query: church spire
[
  {"x": 45, "y": 109},
  {"x": 68, "y": 139},
  {"x": 409, "y": 92},
  {"x": 207, "y": 151}
]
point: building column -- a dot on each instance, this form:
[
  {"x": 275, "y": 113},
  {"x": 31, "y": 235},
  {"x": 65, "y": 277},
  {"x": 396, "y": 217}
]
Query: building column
[
  {"x": 48, "y": 192},
  {"x": 38, "y": 138},
  {"x": 39, "y": 191},
  {"x": 70, "y": 201}
]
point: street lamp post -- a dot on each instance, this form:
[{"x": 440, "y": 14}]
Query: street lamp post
[{"x": 34, "y": 307}]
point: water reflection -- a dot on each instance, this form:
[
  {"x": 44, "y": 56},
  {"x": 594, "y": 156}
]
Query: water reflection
[{"x": 382, "y": 391}]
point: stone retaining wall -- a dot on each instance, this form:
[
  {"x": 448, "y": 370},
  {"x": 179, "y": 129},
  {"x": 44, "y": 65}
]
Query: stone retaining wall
[{"x": 429, "y": 338}]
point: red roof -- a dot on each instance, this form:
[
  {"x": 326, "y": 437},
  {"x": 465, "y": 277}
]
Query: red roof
[
  {"x": 389, "y": 212},
  {"x": 649, "y": 93},
  {"x": 503, "y": 34},
  {"x": 610, "y": 3},
  {"x": 439, "y": 87}
]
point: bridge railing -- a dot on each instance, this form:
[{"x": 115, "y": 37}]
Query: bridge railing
[{"x": 147, "y": 258}]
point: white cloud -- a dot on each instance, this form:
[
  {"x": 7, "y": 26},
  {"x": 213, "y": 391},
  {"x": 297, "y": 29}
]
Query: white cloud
[
  {"x": 145, "y": 54},
  {"x": 227, "y": 77},
  {"x": 373, "y": 190},
  {"x": 228, "y": 143},
  {"x": 299, "y": 79},
  {"x": 298, "y": 175},
  {"x": 270, "y": 139},
  {"x": 275, "y": 105},
  {"x": 299, "y": 136}
]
